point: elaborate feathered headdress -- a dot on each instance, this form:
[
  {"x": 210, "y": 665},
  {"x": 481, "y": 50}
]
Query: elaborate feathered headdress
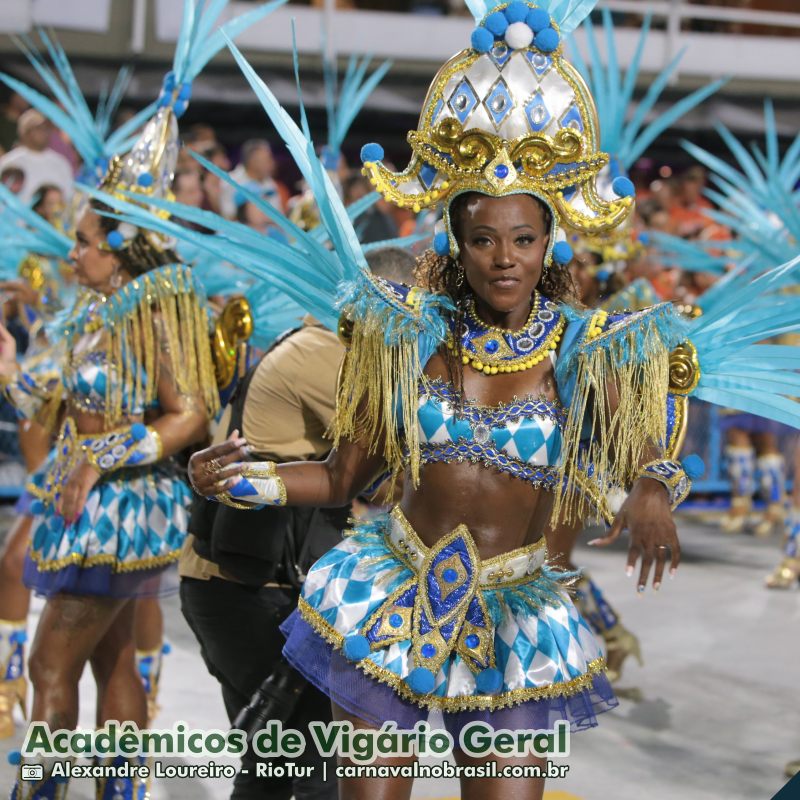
[{"x": 509, "y": 115}]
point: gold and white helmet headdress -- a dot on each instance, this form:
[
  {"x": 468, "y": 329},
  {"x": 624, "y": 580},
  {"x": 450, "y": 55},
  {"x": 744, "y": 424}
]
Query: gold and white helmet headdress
[{"x": 509, "y": 115}]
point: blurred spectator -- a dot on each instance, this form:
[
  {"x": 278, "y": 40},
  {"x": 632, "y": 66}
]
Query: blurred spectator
[
  {"x": 374, "y": 225},
  {"x": 188, "y": 188},
  {"x": 201, "y": 136},
  {"x": 689, "y": 213},
  {"x": 49, "y": 204},
  {"x": 10, "y": 112},
  {"x": 12, "y": 178},
  {"x": 39, "y": 163},
  {"x": 257, "y": 171}
]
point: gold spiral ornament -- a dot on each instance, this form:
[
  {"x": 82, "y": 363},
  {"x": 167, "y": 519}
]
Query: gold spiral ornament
[
  {"x": 684, "y": 369},
  {"x": 232, "y": 330}
]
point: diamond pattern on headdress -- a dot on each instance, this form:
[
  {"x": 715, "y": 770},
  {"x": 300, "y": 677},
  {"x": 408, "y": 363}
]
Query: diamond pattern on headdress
[
  {"x": 537, "y": 113},
  {"x": 540, "y": 63},
  {"x": 572, "y": 119},
  {"x": 427, "y": 175},
  {"x": 499, "y": 102},
  {"x": 463, "y": 101},
  {"x": 500, "y": 54},
  {"x": 437, "y": 110}
]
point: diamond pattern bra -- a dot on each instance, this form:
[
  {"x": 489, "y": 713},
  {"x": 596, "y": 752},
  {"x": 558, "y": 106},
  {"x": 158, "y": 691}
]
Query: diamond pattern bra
[{"x": 521, "y": 438}]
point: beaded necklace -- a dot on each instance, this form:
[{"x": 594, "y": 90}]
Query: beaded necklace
[{"x": 495, "y": 350}]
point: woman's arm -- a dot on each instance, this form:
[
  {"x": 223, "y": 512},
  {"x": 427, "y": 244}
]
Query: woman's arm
[{"x": 334, "y": 482}]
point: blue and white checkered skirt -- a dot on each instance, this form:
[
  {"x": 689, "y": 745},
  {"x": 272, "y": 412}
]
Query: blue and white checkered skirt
[
  {"x": 390, "y": 629},
  {"x": 130, "y": 532}
]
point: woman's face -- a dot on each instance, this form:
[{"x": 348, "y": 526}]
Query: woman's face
[
  {"x": 503, "y": 241},
  {"x": 93, "y": 265}
]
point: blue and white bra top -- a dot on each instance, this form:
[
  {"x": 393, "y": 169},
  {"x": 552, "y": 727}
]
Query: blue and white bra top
[
  {"x": 521, "y": 438},
  {"x": 88, "y": 373}
]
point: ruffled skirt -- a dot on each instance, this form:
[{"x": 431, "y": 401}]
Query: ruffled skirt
[
  {"x": 390, "y": 629},
  {"x": 130, "y": 532}
]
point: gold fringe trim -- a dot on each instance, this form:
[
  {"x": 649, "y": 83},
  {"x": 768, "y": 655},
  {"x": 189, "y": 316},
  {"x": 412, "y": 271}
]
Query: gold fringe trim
[
  {"x": 166, "y": 293},
  {"x": 375, "y": 382},
  {"x": 475, "y": 703},
  {"x": 46, "y": 565},
  {"x": 620, "y": 400}
]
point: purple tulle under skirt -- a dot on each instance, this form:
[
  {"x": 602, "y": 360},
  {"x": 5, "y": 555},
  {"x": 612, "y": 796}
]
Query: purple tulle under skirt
[{"x": 374, "y": 702}]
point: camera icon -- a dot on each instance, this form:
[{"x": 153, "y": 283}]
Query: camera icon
[{"x": 32, "y": 772}]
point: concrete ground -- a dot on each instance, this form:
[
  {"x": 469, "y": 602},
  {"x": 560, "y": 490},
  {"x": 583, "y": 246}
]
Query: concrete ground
[{"x": 718, "y": 715}]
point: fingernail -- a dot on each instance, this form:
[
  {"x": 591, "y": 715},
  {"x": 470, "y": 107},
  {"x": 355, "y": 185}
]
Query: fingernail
[
  {"x": 657, "y": 586},
  {"x": 640, "y": 588},
  {"x": 593, "y": 542},
  {"x": 248, "y": 448},
  {"x": 629, "y": 571}
]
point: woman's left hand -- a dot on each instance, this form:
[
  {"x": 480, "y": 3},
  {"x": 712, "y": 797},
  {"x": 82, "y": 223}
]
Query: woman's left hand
[
  {"x": 647, "y": 515},
  {"x": 76, "y": 489}
]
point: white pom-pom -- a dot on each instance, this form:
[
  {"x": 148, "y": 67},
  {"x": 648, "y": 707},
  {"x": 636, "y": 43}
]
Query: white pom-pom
[
  {"x": 519, "y": 36},
  {"x": 127, "y": 231}
]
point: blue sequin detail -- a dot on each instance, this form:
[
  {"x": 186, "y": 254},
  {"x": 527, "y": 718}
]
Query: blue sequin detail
[
  {"x": 450, "y": 575},
  {"x": 395, "y": 620},
  {"x": 501, "y": 171},
  {"x": 428, "y": 651},
  {"x": 492, "y": 346}
]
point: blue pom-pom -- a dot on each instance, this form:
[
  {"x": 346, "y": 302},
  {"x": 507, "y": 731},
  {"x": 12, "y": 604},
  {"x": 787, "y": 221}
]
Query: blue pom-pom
[
  {"x": 441, "y": 244},
  {"x": 355, "y": 647},
  {"x": 186, "y": 92},
  {"x": 694, "y": 466},
  {"x": 489, "y": 681},
  {"x": 145, "y": 667},
  {"x": 14, "y": 758},
  {"x": 497, "y": 23},
  {"x": 37, "y": 507},
  {"x": 138, "y": 431},
  {"x": 372, "y": 152},
  {"x": 168, "y": 84},
  {"x": 18, "y": 637},
  {"x": 516, "y": 12},
  {"x": 421, "y": 680},
  {"x": 115, "y": 240},
  {"x": 546, "y": 40},
  {"x": 537, "y": 20},
  {"x": 562, "y": 253},
  {"x": 482, "y": 40},
  {"x": 603, "y": 275},
  {"x": 166, "y": 648},
  {"x": 180, "y": 108},
  {"x": 644, "y": 238},
  {"x": 145, "y": 180},
  {"x": 623, "y": 187}
]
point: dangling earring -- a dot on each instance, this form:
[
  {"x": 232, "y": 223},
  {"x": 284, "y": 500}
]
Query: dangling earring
[
  {"x": 460, "y": 276},
  {"x": 116, "y": 279}
]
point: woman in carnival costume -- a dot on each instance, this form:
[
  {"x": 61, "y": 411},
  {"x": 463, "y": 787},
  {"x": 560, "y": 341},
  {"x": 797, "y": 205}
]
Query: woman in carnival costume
[
  {"x": 137, "y": 388},
  {"x": 494, "y": 400}
]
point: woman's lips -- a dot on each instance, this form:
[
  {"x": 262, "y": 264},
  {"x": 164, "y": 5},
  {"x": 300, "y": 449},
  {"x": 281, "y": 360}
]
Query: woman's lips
[{"x": 505, "y": 283}]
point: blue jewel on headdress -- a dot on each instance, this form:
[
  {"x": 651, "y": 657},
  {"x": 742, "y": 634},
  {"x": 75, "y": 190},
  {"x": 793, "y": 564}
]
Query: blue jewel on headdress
[
  {"x": 547, "y": 40},
  {"x": 395, "y": 620},
  {"x": 428, "y": 650},
  {"x": 562, "y": 253},
  {"x": 145, "y": 180},
  {"x": 372, "y": 152},
  {"x": 472, "y": 640},
  {"x": 623, "y": 187},
  {"x": 501, "y": 171},
  {"x": 450, "y": 575}
]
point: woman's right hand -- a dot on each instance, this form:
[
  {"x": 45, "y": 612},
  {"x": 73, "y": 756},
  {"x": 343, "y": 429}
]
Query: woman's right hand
[
  {"x": 8, "y": 352},
  {"x": 213, "y": 470}
]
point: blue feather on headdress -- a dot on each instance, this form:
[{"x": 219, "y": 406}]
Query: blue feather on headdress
[{"x": 25, "y": 229}]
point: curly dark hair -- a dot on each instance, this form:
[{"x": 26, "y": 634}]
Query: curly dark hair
[
  {"x": 442, "y": 274},
  {"x": 140, "y": 255}
]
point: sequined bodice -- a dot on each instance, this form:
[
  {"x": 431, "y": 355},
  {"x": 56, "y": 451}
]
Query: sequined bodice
[{"x": 521, "y": 438}]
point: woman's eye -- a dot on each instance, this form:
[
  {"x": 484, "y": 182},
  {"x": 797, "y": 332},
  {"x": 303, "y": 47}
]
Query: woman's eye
[
  {"x": 525, "y": 239},
  {"x": 481, "y": 240}
]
